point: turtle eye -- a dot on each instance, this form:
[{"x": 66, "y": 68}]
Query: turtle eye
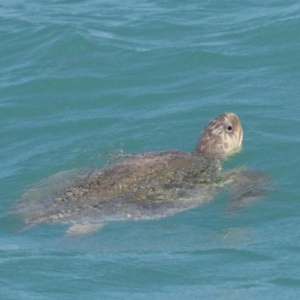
[{"x": 229, "y": 128}]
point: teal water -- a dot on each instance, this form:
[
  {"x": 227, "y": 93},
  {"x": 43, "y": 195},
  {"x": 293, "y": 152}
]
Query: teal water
[{"x": 83, "y": 79}]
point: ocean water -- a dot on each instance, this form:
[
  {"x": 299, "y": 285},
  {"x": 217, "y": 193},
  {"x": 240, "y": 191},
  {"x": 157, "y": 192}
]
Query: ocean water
[{"x": 81, "y": 80}]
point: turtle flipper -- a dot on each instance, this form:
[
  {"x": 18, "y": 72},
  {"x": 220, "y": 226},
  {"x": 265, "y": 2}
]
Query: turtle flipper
[
  {"x": 83, "y": 229},
  {"x": 246, "y": 187}
]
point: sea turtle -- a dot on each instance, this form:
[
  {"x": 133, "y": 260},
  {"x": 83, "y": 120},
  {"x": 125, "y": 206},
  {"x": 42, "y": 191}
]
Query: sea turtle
[{"x": 143, "y": 186}]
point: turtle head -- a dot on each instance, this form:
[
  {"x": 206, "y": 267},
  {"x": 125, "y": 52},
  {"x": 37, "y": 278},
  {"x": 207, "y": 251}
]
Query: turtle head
[{"x": 221, "y": 138}]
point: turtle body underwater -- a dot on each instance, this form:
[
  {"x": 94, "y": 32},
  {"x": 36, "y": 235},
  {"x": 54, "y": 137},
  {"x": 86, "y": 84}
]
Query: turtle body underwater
[{"x": 143, "y": 186}]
